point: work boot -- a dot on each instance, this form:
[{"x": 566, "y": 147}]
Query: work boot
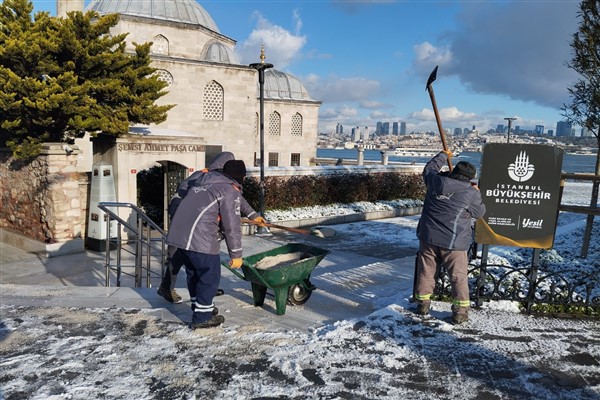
[
  {"x": 458, "y": 319},
  {"x": 215, "y": 321},
  {"x": 460, "y": 315},
  {"x": 215, "y": 310},
  {"x": 169, "y": 294},
  {"x": 423, "y": 307}
]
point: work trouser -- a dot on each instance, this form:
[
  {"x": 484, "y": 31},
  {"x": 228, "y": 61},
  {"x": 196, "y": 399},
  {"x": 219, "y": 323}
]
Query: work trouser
[
  {"x": 174, "y": 264},
  {"x": 203, "y": 276},
  {"x": 456, "y": 264}
]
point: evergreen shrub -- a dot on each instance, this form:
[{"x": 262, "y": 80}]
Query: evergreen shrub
[{"x": 282, "y": 193}]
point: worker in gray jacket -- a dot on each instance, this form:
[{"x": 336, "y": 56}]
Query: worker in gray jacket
[
  {"x": 211, "y": 205},
  {"x": 445, "y": 232},
  {"x": 175, "y": 262}
]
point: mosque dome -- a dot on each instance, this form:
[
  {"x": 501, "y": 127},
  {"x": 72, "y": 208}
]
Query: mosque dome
[
  {"x": 279, "y": 85},
  {"x": 187, "y": 11},
  {"x": 219, "y": 53}
]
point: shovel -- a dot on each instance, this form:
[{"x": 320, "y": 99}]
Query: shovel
[
  {"x": 320, "y": 232},
  {"x": 429, "y": 88}
]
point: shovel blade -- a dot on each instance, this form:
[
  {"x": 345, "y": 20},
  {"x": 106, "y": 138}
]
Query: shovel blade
[{"x": 432, "y": 77}]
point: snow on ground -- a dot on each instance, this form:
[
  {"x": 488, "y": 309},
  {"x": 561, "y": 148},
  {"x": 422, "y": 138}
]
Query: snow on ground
[{"x": 117, "y": 353}]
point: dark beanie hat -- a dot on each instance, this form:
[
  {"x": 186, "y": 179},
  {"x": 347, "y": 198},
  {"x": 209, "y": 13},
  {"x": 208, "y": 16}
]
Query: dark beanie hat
[
  {"x": 464, "y": 168},
  {"x": 236, "y": 169}
]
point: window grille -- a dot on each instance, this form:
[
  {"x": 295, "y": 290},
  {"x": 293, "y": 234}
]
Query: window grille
[
  {"x": 273, "y": 159},
  {"x": 275, "y": 124},
  {"x": 295, "y": 160},
  {"x": 256, "y": 127},
  {"x": 296, "y": 125},
  {"x": 160, "y": 45},
  {"x": 164, "y": 76},
  {"x": 213, "y": 102},
  {"x": 256, "y": 160}
]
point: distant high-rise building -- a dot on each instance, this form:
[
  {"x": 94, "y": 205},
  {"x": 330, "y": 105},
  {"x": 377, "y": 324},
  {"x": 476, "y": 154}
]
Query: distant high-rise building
[
  {"x": 517, "y": 129},
  {"x": 466, "y": 131},
  {"x": 379, "y": 128},
  {"x": 355, "y": 134},
  {"x": 367, "y": 132},
  {"x": 339, "y": 129},
  {"x": 500, "y": 128},
  {"x": 550, "y": 132},
  {"x": 585, "y": 132},
  {"x": 564, "y": 128},
  {"x": 457, "y": 131},
  {"x": 403, "y": 128},
  {"x": 385, "y": 128},
  {"x": 394, "y": 128},
  {"x": 539, "y": 129}
]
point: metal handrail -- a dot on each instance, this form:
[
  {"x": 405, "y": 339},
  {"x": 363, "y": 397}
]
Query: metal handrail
[{"x": 142, "y": 238}]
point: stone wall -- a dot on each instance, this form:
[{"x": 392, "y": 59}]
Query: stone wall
[{"x": 43, "y": 204}]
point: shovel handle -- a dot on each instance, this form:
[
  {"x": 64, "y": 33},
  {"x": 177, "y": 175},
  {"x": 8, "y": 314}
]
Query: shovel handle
[
  {"x": 269, "y": 225},
  {"x": 439, "y": 123},
  {"x": 437, "y": 114}
]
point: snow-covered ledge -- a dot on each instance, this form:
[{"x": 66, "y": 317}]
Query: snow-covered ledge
[
  {"x": 339, "y": 214},
  {"x": 336, "y": 169}
]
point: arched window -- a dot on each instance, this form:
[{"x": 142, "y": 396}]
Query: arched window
[
  {"x": 275, "y": 124},
  {"x": 213, "y": 102},
  {"x": 296, "y": 125},
  {"x": 164, "y": 76},
  {"x": 160, "y": 45}
]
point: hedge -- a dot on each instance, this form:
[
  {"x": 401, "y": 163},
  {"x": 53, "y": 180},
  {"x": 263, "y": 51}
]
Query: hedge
[{"x": 304, "y": 191}]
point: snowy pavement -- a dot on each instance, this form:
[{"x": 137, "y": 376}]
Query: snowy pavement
[{"x": 355, "y": 338}]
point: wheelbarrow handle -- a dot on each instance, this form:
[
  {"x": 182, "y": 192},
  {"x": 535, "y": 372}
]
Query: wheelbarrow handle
[{"x": 226, "y": 265}]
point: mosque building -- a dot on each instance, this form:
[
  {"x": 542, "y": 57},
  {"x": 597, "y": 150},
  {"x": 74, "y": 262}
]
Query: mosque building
[{"x": 217, "y": 99}]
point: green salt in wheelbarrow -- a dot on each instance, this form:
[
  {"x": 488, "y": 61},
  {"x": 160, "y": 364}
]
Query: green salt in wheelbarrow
[{"x": 289, "y": 279}]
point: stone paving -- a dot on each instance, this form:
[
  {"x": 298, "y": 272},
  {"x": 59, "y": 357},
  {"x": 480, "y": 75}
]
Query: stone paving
[{"x": 380, "y": 349}]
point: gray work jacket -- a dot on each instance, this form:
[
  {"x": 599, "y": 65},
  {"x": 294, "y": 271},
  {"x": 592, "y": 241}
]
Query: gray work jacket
[
  {"x": 450, "y": 205},
  {"x": 214, "y": 200}
]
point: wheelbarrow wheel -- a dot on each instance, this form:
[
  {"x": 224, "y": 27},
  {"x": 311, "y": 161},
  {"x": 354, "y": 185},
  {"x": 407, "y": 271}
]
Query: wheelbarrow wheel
[{"x": 298, "y": 295}]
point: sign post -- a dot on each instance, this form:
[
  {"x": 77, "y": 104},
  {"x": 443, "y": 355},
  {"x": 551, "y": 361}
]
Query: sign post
[{"x": 519, "y": 186}]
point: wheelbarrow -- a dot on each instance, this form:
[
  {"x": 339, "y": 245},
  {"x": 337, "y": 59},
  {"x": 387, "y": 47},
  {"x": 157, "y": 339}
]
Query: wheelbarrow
[{"x": 288, "y": 280}]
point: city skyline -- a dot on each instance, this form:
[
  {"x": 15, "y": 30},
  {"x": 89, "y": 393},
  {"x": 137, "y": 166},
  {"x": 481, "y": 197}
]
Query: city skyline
[
  {"x": 398, "y": 128},
  {"x": 368, "y": 61}
]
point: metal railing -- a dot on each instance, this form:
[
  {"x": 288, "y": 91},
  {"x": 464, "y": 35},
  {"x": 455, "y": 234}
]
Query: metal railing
[
  {"x": 569, "y": 291},
  {"x": 142, "y": 254},
  {"x": 591, "y": 211}
]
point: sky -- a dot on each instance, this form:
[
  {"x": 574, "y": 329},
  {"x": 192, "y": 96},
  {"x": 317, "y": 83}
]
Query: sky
[
  {"x": 369, "y": 61},
  {"x": 377, "y": 348}
]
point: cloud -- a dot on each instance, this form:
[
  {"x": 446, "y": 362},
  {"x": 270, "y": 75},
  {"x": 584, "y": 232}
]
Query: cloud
[
  {"x": 496, "y": 41},
  {"x": 427, "y": 55},
  {"x": 344, "y": 111},
  {"x": 335, "y": 89},
  {"x": 371, "y": 104},
  {"x": 281, "y": 46},
  {"x": 315, "y": 55},
  {"x": 380, "y": 116},
  {"x": 353, "y": 7},
  {"x": 446, "y": 114}
]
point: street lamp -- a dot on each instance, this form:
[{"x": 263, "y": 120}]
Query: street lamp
[
  {"x": 510, "y": 120},
  {"x": 261, "y": 67}
]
